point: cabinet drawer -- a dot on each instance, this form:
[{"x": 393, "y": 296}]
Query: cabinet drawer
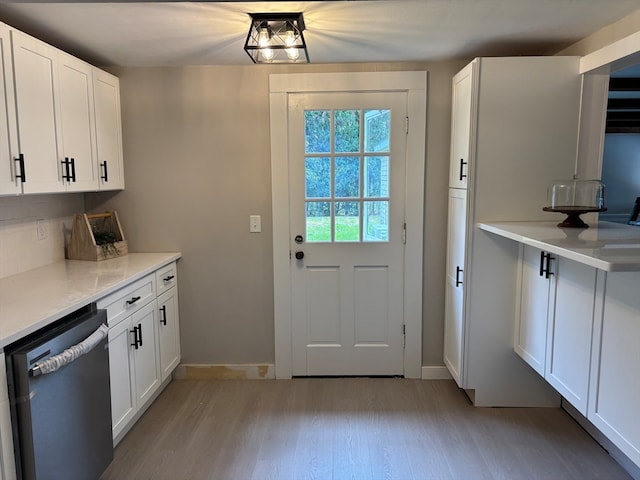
[
  {"x": 122, "y": 303},
  {"x": 166, "y": 278}
]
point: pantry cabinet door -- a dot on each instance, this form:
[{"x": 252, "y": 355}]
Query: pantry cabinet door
[
  {"x": 77, "y": 125},
  {"x": 34, "y": 72},
  {"x": 461, "y": 125},
  {"x": 8, "y": 141}
]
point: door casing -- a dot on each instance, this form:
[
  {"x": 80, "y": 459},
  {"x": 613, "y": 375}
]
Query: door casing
[{"x": 280, "y": 86}]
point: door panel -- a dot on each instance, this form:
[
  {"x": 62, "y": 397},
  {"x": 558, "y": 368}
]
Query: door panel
[{"x": 347, "y": 174}]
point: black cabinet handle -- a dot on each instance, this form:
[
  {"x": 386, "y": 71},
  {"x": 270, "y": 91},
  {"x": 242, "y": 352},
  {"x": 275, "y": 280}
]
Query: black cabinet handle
[
  {"x": 458, "y": 272},
  {"x": 23, "y": 175},
  {"x": 545, "y": 264},
  {"x": 105, "y": 177},
  {"x": 542, "y": 257},
  {"x": 462, "y": 164},
  {"x": 73, "y": 169},
  {"x": 168, "y": 278},
  {"x": 65, "y": 164},
  {"x": 135, "y": 337},
  {"x": 163, "y": 320},
  {"x": 133, "y": 300},
  {"x": 139, "y": 327}
]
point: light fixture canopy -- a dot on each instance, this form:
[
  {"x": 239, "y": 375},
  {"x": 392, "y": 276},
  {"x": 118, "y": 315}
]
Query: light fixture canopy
[{"x": 276, "y": 38}]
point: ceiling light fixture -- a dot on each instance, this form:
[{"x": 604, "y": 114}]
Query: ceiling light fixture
[{"x": 276, "y": 38}]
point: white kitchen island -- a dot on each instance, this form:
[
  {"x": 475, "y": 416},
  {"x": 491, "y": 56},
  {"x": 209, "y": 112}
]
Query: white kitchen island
[{"x": 577, "y": 319}]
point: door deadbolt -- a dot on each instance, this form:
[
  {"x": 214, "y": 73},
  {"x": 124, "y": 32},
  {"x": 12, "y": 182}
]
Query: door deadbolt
[{"x": 298, "y": 239}]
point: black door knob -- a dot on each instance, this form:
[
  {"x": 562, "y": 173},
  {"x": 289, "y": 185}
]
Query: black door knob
[{"x": 299, "y": 255}]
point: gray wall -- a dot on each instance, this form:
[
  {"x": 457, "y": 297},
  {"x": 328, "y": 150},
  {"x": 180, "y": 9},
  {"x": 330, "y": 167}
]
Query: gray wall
[
  {"x": 197, "y": 164},
  {"x": 621, "y": 172}
]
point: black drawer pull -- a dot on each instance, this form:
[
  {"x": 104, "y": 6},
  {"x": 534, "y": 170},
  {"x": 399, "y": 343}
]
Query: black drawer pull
[
  {"x": 168, "y": 278},
  {"x": 133, "y": 300},
  {"x": 163, "y": 320}
]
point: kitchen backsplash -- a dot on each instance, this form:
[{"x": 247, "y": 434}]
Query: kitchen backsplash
[{"x": 33, "y": 229}]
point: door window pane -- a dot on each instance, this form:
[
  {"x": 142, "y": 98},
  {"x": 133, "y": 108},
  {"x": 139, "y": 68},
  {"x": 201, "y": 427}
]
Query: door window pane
[
  {"x": 317, "y": 131},
  {"x": 347, "y": 177},
  {"x": 376, "y": 177},
  {"x": 347, "y": 217},
  {"x": 347, "y": 130},
  {"x": 318, "y": 221},
  {"x": 377, "y": 130},
  {"x": 346, "y": 189},
  {"x": 317, "y": 174},
  {"x": 376, "y": 221}
]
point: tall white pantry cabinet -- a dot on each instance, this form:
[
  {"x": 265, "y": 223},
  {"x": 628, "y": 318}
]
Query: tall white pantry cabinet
[{"x": 514, "y": 130}]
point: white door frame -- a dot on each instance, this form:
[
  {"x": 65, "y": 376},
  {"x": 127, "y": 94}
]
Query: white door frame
[{"x": 280, "y": 86}]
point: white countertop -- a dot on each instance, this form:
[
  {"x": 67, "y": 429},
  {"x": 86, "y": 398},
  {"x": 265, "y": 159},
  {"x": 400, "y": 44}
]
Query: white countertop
[
  {"x": 34, "y": 299},
  {"x": 612, "y": 247}
]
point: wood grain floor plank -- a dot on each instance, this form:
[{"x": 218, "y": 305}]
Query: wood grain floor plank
[{"x": 350, "y": 429}]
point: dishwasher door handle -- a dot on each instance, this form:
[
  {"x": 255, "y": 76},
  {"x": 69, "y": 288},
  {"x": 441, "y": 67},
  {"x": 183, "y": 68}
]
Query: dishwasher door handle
[{"x": 58, "y": 361}]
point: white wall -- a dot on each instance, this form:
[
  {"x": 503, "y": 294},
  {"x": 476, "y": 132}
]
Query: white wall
[{"x": 197, "y": 164}]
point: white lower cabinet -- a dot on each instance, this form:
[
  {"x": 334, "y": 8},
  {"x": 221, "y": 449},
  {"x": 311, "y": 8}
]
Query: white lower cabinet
[
  {"x": 168, "y": 332},
  {"x": 554, "y": 326},
  {"x": 146, "y": 352},
  {"x": 144, "y": 346},
  {"x": 615, "y": 384},
  {"x": 570, "y": 331},
  {"x": 530, "y": 339},
  {"x": 122, "y": 375}
]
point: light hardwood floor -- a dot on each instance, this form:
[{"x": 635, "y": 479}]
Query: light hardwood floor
[{"x": 350, "y": 428}]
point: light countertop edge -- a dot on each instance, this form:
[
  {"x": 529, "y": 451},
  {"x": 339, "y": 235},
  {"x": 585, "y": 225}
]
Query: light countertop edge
[
  {"x": 34, "y": 299},
  {"x": 608, "y": 246}
]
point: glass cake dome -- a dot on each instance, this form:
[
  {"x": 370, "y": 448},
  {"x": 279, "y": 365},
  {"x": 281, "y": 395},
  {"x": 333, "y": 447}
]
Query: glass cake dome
[{"x": 575, "y": 197}]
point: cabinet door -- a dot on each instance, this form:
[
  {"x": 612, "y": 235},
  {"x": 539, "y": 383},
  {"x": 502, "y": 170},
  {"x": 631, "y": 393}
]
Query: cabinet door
[
  {"x": 614, "y": 397},
  {"x": 8, "y": 142},
  {"x": 106, "y": 89},
  {"x": 570, "y": 332},
  {"x": 168, "y": 332},
  {"x": 461, "y": 124},
  {"x": 122, "y": 376},
  {"x": 146, "y": 357},
  {"x": 530, "y": 340},
  {"x": 454, "y": 290},
  {"x": 75, "y": 87},
  {"x": 34, "y": 71}
]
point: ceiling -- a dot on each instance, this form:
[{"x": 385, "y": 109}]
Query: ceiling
[{"x": 212, "y": 33}]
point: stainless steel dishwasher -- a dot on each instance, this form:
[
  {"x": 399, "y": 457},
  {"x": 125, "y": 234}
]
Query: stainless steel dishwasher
[{"x": 59, "y": 390}]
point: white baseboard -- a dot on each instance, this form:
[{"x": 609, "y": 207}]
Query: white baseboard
[
  {"x": 435, "y": 373},
  {"x": 225, "y": 372}
]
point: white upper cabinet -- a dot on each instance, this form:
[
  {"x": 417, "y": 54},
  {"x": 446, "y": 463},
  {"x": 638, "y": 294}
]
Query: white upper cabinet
[
  {"x": 60, "y": 127},
  {"x": 8, "y": 141},
  {"x": 461, "y": 127},
  {"x": 106, "y": 89},
  {"x": 77, "y": 155},
  {"x": 34, "y": 71}
]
